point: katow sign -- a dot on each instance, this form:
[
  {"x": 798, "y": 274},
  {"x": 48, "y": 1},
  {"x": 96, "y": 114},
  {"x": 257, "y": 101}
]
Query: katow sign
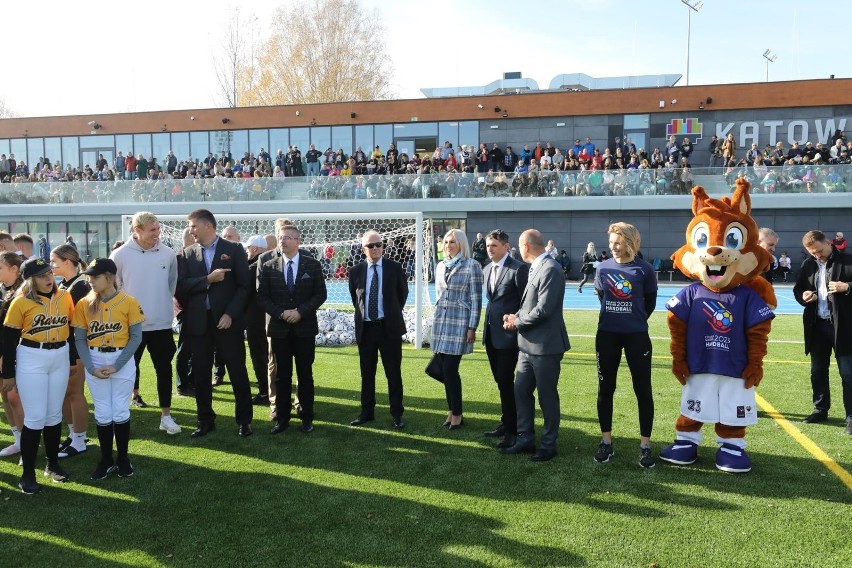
[{"x": 786, "y": 131}]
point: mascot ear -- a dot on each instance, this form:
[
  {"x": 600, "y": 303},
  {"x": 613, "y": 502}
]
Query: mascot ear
[
  {"x": 699, "y": 199},
  {"x": 741, "y": 201}
]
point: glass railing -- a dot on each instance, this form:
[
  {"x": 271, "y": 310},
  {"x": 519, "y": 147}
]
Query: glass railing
[{"x": 638, "y": 182}]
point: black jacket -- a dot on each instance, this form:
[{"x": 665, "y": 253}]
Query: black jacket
[
  {"x": 839, "y": 268},
  {"x": 273, "y": 296}
]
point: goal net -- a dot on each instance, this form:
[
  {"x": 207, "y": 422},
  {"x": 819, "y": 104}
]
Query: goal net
[{"x": 335, "y": 240}]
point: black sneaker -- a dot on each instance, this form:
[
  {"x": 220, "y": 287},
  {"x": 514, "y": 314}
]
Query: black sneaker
[
  {"x": 138, "y": 402},
  {"x": 64, "y": 444},
  {"x": 125, "y": 469},
  {"x": 646, "y": 458},
  {"x": 605, "y": 451},
  {"x": 103, "y": 470},
  {"x": 56, "y": 473},
  {"x": 260, "y": 400},
  {"x": 28, "y": 485}
]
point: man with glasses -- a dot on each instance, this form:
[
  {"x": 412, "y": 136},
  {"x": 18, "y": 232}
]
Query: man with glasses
[
  {"x": 290, "y": 289},
  {"x": 379, "y": 289}
]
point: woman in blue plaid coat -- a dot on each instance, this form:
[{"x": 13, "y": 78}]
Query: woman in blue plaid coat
[{"x": 458, "y": 283}]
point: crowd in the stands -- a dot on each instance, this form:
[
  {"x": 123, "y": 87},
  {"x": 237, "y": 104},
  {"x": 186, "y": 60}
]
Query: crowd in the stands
[{"x": 539, "y": 169}]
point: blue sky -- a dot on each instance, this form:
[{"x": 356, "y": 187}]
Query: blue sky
[{"x": 95, "y": 56}]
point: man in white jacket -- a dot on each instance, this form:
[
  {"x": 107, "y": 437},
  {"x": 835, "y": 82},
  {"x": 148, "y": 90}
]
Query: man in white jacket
[{"x": 148, "y": 271}]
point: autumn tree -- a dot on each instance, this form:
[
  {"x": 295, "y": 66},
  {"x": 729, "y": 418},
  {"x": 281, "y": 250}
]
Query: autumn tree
[{"x": 320, "y": 51}]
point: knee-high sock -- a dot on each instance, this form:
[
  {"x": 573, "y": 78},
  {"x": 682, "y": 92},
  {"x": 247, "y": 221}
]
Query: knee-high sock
[
  {"x": 731, "y": 435},
  {"x": 688, "y": 429},
  {"x": 51, "y": 435},
  {"x": 29, "y": 448},
  {"x": 105, "y": 434},
  {"x": 122, "y": 438}
]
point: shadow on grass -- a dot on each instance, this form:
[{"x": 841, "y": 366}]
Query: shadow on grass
[{"x": 213, "y": 516}]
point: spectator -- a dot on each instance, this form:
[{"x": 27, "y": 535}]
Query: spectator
[
  {"x": 729, "y": 148},
  {"x": 785, "y": 265},
  {"x": 672, "y": 149},
  {"x": 590, "y": 259},
  {"x": 839, "y": 242}
]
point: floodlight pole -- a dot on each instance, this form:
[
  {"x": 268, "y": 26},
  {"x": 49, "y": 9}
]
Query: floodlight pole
[
  {"x": 770, "y": 58},
  {"x": 692, "y": 8}
]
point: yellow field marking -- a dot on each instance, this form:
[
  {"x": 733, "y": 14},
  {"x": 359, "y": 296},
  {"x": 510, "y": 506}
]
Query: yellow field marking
[{"x": 805, "y": 442}]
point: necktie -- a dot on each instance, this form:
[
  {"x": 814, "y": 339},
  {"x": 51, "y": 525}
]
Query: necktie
[
  {"x": 290, "y": 284},
  {"x": 493, "y": 282},
  {"x": 373, "y": 302}
]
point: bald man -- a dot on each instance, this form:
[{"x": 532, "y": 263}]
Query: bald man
[{"x": 542, "y": 342}]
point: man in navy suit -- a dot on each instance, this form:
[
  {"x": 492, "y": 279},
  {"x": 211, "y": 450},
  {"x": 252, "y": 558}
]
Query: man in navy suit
[
  {"x": 215, "y": 282},
  {"x": 542, "y": 341},
  {"x": 290, "y": 289},
  {"x": 379, "y": 289},
  {"x": 505, "y": 281}
]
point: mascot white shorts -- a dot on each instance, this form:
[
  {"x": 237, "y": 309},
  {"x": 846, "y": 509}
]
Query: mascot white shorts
[{"x": 717, "y": 398}]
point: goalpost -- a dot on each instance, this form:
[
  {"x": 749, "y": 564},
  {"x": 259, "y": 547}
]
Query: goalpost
[{"x": 335, "y": 240}]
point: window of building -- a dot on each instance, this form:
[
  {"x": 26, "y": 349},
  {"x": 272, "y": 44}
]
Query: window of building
[
  {"x": 341, "y": 137},
  {"x": 53, "y": 150},
  {"x": 258, "y": 139},
  {"x": 35, "y": 150},
  {"x": 142, "y": 144},
  {"x": 364, "y": 137},
  {"x": 180, "y": 146},
  {"x": 70, "y": 152},
  {"x": 320, "y": 138},
  {"x": 279, "y": 139}
]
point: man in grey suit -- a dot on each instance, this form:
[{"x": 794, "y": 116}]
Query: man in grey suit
[
  {"x": 505, "y": 280},
  {"x": 542, "y": 341}
]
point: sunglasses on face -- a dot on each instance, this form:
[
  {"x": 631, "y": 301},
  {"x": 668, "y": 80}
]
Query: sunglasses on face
[{"x": 374, "y": 245}]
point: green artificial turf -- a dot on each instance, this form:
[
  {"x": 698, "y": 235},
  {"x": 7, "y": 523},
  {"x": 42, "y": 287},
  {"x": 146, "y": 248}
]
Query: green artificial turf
[{"x": 425, "y": 496}]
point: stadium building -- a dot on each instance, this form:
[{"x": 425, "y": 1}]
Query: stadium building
[{"x": 511, "y": 111}]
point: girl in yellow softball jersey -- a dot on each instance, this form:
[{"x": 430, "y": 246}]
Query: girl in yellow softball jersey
[
  {"x": 107, "y": 330},
  {"x": 37, "y": 358}
]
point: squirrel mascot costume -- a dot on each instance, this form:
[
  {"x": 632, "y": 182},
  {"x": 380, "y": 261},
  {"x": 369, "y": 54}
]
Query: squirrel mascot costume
[{"x": 719, "y": 327}]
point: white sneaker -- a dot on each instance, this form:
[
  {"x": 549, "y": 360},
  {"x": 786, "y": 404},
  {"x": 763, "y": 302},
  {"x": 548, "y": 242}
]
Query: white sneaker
[
  {"x": 10, "y": 450},
  {"x": 169, "y": 426}
]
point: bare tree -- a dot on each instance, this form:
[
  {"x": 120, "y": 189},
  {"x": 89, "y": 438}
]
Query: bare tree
[
  {"x": 234, "y": 59},
  {"x": 320, "y": 51},
  {"x": 5, "y": 111}
]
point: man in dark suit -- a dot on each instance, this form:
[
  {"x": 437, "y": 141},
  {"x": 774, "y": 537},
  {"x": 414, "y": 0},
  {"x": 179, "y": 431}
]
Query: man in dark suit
[
  {"x": 379, "y": 290},
  {"x": 542, "y": 341},
  {"x": 824, "y": 288},
  {"x": 505, "y": 281},
  {"x": 290, "y": 289},
  {"x": 215, "y": 282}
]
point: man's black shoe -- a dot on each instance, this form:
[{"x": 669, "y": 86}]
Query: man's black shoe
[
  {"x": 398, "y": 423},
  {"x": 815, "y": 417},
  {"x": 260, "y": 400},
  {"x": 245, "y": 430},
  {"x": 279, "y": 427},
  {"x": 203, "y": 429},
  {"x": 497, "y": 432},
  {"x": 543, "y": 455},
  {"x": 362, "y": 420},
  {"x": 507, "y": 442},
  {"x": 519, "y": 447}
]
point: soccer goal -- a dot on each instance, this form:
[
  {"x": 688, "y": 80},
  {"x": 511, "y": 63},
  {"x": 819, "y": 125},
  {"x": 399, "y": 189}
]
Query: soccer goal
[{"x": 335, "y": 240}]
